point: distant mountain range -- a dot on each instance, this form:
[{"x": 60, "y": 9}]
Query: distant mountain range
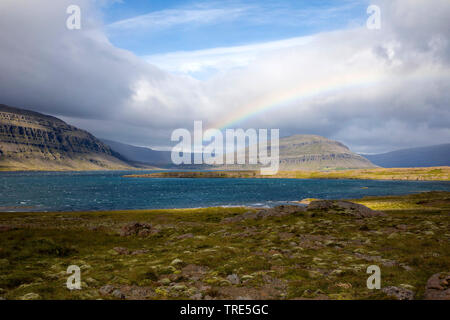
[
  {"x": 140, "y": 154},
  {"x": 34, "y": 141},
  {"x": 431, "y": 156}
]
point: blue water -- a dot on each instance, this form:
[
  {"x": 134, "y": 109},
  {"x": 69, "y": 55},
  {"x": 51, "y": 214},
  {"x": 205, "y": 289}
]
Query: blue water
[{"x": 73, "y": 191}]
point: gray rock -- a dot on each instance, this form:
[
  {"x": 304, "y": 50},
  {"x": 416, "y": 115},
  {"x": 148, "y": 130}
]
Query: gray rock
[
  {"x": 118, "y": 294},
  {"x": 344, "y": 208},
  {"x": 197, "y": 296},
  {"x": 234, "y": 279},
  {"x": 137, "y": 229},
  {"x": 122, "y": 250},
  {"x": 106, "y": 290},
  {"x": 399, "y": 293}
]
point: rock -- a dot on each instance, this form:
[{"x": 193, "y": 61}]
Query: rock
[
  {"x": 137, "y": 229},
  {"x": 179, "y": 287},
  {"x": 438, "y": 287},
  {"x": 165, "y": 281},
  {"x": 197, "y": 296},
  {"x": 118, "y": 294},
  {"x": 406, "y": 267},
  {"x": 344, "y": 208},
  {"x": 407, "y": 286},
  {"x": 140, "y": 251},
  {"x": 106, "y": 290},
  {"x": 278, "y": 211},
  {"x": 91, "y": 281},
  {"x": 122, "y": 250},
  {"x": 234, "y": 279},
  {"x": 399, "y": 293},
  {"x": 344, "y": 285},
  {"x": 30, "y": 296},
  {"x": 176, "y": 262},
  {"x": 194, "y": 272}
]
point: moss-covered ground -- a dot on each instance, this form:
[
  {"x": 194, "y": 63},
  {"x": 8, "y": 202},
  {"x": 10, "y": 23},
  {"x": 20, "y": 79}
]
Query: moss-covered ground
[{"x": 193, "y": 253}]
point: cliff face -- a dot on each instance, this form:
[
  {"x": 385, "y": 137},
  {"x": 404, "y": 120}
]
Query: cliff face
[
  {"x": 30, "y": 140},
  {"x": 316, "y": 152}
]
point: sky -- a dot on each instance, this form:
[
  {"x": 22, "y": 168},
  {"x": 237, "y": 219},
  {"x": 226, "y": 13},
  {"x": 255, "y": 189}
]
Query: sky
[{"x": 137, "y": 70}]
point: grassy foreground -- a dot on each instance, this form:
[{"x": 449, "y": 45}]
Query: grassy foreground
[
  {"x": 226, "y": 253},
  {"x": 429, "y": 174}
]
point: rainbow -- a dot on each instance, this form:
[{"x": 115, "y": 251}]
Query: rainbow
[{"x": 298, "y": 94}]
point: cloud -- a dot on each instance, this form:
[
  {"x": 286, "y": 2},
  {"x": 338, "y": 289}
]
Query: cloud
[
  {"x": 209, "y": 62},
  {"x": 157, "y": 20},
  {"x": 80, "y": 74},
  {"x": 375, "y": 90}
]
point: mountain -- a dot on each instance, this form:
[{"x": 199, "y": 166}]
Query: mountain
[
  {"x": 140, "y": 154},
  {"x": 431, "y": 156},
  {"x": 299, "y": 152},
  {"x": 312, "y": 152},
  {"x": 34, "y": 141}
]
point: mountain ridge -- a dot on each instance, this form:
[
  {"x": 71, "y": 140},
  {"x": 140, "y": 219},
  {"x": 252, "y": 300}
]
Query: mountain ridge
[
  {"x": 428, "y": 156},
  {"x": 31, "y": 140}
]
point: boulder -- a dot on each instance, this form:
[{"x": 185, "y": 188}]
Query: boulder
[
  {"x": 234, "y": 279},
  {"x": 344, "y": 208},
  {"x": 399, "y": 293},
  {"x": 122, "y": 250},
  {"x": 137, "y": 229},
  {"x": 106, "y": 290},
  {"x": 278, "y": 211},
  {"x": 438, "y": 287}
]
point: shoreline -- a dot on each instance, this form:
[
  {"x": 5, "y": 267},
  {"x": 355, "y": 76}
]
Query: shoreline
[
  {"x": 388, "y": 174},
  {"x": 441, "y": 173}
]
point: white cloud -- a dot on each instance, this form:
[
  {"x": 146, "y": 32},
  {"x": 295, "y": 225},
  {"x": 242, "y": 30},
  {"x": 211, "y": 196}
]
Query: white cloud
[
  {"x": 209, "y": 62},
  {"x": 173, "y": 17}
]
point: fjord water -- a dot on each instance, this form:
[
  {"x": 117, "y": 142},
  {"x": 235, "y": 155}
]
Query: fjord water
[{"x": 78, "y": 191}]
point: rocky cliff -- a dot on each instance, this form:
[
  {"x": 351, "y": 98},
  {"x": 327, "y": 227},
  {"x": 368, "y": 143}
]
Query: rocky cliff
[{"x": 33, "y": 141}]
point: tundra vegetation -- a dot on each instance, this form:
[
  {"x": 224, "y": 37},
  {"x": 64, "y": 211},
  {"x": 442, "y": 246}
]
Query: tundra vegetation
[{"x": 317, "y": 252}]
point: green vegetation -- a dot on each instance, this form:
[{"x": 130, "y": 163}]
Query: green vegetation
[
  {"x": 429, "y": 174},
  {"x": 195, "y": 253}
]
